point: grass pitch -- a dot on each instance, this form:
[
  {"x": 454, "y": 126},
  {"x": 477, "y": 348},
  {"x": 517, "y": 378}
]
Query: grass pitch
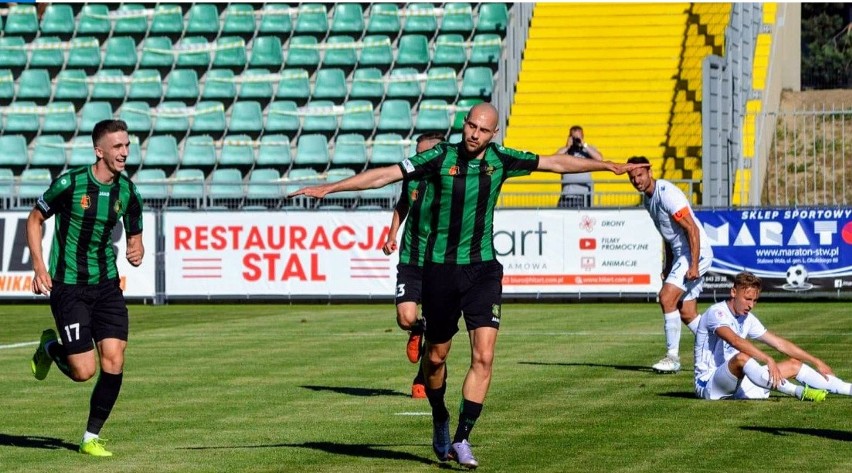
[{"x": 280, "y": 388}]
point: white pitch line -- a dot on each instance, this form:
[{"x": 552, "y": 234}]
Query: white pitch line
[
  {"x": 18, "y": 345},
  {"x": 413, "y": 414}
]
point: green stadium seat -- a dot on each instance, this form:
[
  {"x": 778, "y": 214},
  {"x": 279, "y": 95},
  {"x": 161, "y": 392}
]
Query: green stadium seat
[
  {"x": 384, "y": 20},
  {"x": 312, "y": 151},
  {"x": 187, "y": 188},
  {"x": 378, "y": 199},
  {"x": 376, "y": 53},
  {"x": 14, "y": 155},
  {"x": 172, "y": 118},
  {"x": 275, "y": 19},
  {"x": 340, "y": 53},
  {"x": 157, "y": 54},
  {"x": 85, "y": 53},
  {"x": 387, "y": 149},
  {"x": 33, "y": 183},
  {"x": 455, "y": 138},
  {"x": 230, "y": 53},
  {"x": 274, "y": 152},
  {"x": 49, "y": 153},
  {"x": 199, "y": 152},
  {"x": 121, "y": 54},
  {"x": 7, "y": 188},
  {"x": 458, "y": 18},
  {"x": 345, "y": 199},
  {"x": 91, "y": 113},
  {"x": 237, "y": 152},
  {"x": 161, "y": 152},
  {"x": 191, "y": 53},
  {"x": 209, "y": 119},
  {"x": 478, "y": 82},
  {"x": 492, "y": 18},
  {"x": 312, "y": 20},
  {"x": 266, "y": 53},
  {"x": 134, "y": 155},
  {"x": 167, "y": 21},
  {"x": 132, "y": 21},
  {"x": 358, "y": 117},
  {"x": 203, "y": 20},
  {"x": 152, "y": 185},
  {"x": 413, "y": 52},
  {"x": 60, "y": 119},
  {"x": 449, "y": 52},
  {"x": 320, "y": 118},
  {"x": 264, "y": 185},
  {"x": 182, "y": 85},
  {"x": 303, "y": 53},
  {"x": 257, "y": 85},
  {"x": 239, "y": 21},
  {"x": 330, "y": 84},
  {"x": 21, "y": 20},
  {"x": 486, "y": 50},
  {"x": 71, "y": 86},
  {"x": 22, "y": 118},
  {"x": 367, "y": 84},
  {"x": 347, "y": 18},
  {"x": 82, "y": 151},
  {"x": 34, "y": 85},
  {"x": 282, "y": 118},
  {"x": 93, "y": 20},
  {"x": 108, "y": 85},
  {"x": 13, "y": 53},
  {"x": 219, "y": 85},
  {"x": 46, "y": 54},
  {"x": 421, "y": 19},
  {"x": 246, "y": 118},
  {"x": 294, "y": 85},
  {"x": 226, "y": 187},
  {"x": 404, "y": 84},
  {"x": 297, "y": 178},
  {"x": 432, "y": 115},
  {"x": 7, "y": 86},
  {"x": 441, "y": 83},
  {"x": 146, "y": 85},
  {"x": 462, "y": 107},
  {"x": 137, "y": 115},
  {"x": 58, "y": 20},
  {"x": 395, "y": 117},
  {"x": 350, "y": 150}
]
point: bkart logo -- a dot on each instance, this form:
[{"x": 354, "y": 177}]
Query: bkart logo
[{"x": 846, "y": 233}]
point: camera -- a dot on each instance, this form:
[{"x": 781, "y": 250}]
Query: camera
[{"x": 576, "y": 142}]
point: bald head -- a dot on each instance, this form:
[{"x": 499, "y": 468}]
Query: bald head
[
  {"x": 485, "y": 113},
  {"x": 479, "y": 129}
]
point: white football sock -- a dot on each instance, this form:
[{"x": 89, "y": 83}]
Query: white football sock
[
  {"x": 694, "y": 324},
  {"x": 671, "y": 324},
  {"x": 759, "y": 375},
  {"x": 812, "y": 378},
  {"x": 89, "y": 436},
  {"x": 838, "y": 386}
]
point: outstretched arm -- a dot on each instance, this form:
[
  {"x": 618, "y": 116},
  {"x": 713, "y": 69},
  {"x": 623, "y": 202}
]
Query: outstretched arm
[
  {"x": 564, "y": 164},
  {"x": 372, "y": 179},
  {"x": 794, "y": 351}
]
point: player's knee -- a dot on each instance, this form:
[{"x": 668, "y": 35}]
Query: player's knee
[
  {"x": 483, "y": 359},
  {"x": 82, "y": 374},
  {"x": 740, "y": 359},
  {"x": 795, "y": 365}
]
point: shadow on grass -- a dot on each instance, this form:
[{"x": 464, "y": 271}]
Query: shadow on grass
[
  {"x": 644, "y": 369},
  {"x": 361, "y": 392},
  {"x": 34, "y": 441},
  {"x": 842, "y": 435},
  {"x": 680, "y": 395}
]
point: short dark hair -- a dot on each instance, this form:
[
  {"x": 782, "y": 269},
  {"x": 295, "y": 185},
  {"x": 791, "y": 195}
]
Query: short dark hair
[
  {"x": 638, "y": 160},
  {"x": 747, "y": 280},
  {"x": 575, "y": 128},
  {"x": 104, "y": 127},
  {"x": 432, "y": 135}
]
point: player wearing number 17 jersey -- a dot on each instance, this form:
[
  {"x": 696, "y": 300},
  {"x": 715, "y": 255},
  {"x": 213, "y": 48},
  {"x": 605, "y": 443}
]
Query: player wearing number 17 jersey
[{"x": 688, "y": 257}]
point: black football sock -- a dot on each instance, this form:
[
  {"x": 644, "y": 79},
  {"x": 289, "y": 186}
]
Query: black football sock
[
  {"x": 103, "y": 398},
  {"x": 436, "y": 400},
  {"x": 57, "y": 352},
  {"x": 468, "y": 414},
  {"x": 419, "y": 379}
]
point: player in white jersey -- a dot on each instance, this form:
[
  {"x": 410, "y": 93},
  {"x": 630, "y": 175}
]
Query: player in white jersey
[
  {"x": 727, "y": 364},
  {"x": 688, "y": 257}
]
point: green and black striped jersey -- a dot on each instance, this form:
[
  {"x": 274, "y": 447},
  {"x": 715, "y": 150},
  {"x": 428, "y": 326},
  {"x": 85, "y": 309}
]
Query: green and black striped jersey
[
  {"x": 86, "y": 214},
  {"x": 414, "y": 203},
  {"x": 465, "y": 192}
]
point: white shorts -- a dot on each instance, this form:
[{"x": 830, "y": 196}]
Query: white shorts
[
  {"x": 677, "y": 276},
  {"x": 722, "y": 384}
]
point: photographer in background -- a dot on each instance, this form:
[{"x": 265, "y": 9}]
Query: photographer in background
[{"x": 577, "y": 188}]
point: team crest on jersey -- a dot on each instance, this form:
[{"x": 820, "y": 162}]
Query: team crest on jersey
[
  {"x": 415, "y": 194},
  {"x": 495, "y": 313},
  {"x": 489, "y": 170},
  {"x": 85, "y": 202},
  {"x": 454, "y": 171},
  {"x": 117, "y": 206}
]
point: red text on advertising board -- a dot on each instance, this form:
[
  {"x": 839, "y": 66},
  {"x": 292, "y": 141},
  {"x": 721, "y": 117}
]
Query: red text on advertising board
[
  {"x": 273, "y": 267},
  {"x": 280, "y": 237}
]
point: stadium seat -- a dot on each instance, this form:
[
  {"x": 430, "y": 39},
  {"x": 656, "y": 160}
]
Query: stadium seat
[
  {"x": 60, "y": 119},
  {"x": 376, "y": 52},
  {"x": 58, "y": 20},
  {"x": 274, "y": 152},
  {"x": 458, "y": 18},
  {"x": 49, "y": 153},
  {"x": 486, "y": 50},
  {"x": 350, "y": 151},
  {"x": 137, "y": 115},
  {"x": 320, "y": 118},
  {"x": 203, "y": 20},
  {"x": 93, "y": 20},
  {"x": 303, "y": 53},
  {"x": 381, "y": 198},
  {"x": 172, "y": 118},
  {"x": 230, "y": 53},
  {"x": 157, "y": 54},
  {"x": 492, "y": 18},
  {"x": 82, "y": 151},
  {"x": 14, "y": 155},
  {"x": 384, "y": 20},
  {"x": 219, "y": 85},
  {"x": 91, "y": 113},
  {"x": 449, "y": 52},
  {"x": 34, "y": 85},
  {"x": 167, "y": 21},
  {"x": 455, "y": 138},
  {"x": 312, "y": 20},
  {"x": 441, "y": 83},
  {"x": 226, "y": 187},
  {"x": 413, "y": 52},
  {"x": 312, "y": 151},
  {"x": 120, "y": 54},
  {"x": 395, "y": 117},
  {"x": 191, "y": 53},
  {"x": 108, "y": 85},
  {"x": 152, "y": 185},
  {"x": 462, "y": 107},
  {"x": 239, "y": 21},
  {"x": 345, "y": 199},
  {"x": 340, "y": 53},
  {"x": 7, "y": 188},
  {"x": 13, "y": 53},
  {"x": 282, "y": 118},
  {"x": 294, "y": 85},
  {"x": 296, "y": 178},
  {"x": 132, "y": 21},
  {"x": 420, "y": 19},
  {"x": 21, "y": 118},
  {"x": 209, "y": 119},
  {"x": 182, "y": 85},
  {"x": 71, "y": 86},
  {"x": 134, "y": 155},
  {"x": 404, "y": 84},
  {"x": 46, "y": 54},
  {"x": 275, "y": 20},
  {"x": 246, "y": 118},
  {"x": 432, "y": 115},
  {"x": 237, "y": 152},
  {"x": 266, "y": 53},
  {"x": 477, "y": 83},
  {"x": 199, "y": 152},
  {"x": 387, "y": 149},
  {"x": 367, "y": 84},
  {"x": 7, "y": 86},
  {"x": 256, "y": 85},
  {"x": 330, "y": 84},
  {"x": 188, "y": 188},
  {"x": 347, "y": 18},
  {"x": 358, "y": 117},
  {"x": 146, "y": 85},
  {"x": 21, "y": 20},
  {"x": 32, "y": 184},
  {"x": 264, "y": 186},
  {"x": 161, "y": 152},
  {"x": 85, "y": 53}
]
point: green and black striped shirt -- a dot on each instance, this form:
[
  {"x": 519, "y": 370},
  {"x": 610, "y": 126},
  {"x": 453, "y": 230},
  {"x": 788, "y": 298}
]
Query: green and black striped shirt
[
  {"x": 86, "y": 214},
  {"x": 414, "y": 203},
  {"x": 465, "y": 194}
]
